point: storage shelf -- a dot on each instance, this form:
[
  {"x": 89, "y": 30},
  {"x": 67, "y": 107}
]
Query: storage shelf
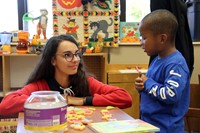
[
  {"x": 85, "y": 54},
  {"x": 15, "y": 54},
  {"x": 138, "y": 44},
  {"x": 15, "y": 43}
]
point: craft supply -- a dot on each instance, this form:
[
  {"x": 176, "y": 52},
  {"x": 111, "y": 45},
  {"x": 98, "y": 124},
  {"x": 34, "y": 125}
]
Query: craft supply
[
  {"x": 123, "y": 126},
  {"x": 78, "y": 126},
  {"x": 110, "y": 107},
  {"x": 76, "y": 117}
]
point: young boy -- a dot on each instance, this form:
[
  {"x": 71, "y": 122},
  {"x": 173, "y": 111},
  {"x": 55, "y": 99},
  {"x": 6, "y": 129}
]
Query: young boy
[{"x": 165, "y": 90}]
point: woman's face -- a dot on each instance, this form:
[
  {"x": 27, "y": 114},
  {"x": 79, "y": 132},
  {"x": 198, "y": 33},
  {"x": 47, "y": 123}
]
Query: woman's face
[{"x": 67, "y": 59}]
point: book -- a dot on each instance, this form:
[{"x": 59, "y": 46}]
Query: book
[
  {"x": 129, "y": 32},
  {"x": 123, "y": 126}
]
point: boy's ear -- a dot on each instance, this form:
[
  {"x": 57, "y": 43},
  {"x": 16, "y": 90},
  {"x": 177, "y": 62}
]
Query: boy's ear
[{"x": 163, "y": 38}]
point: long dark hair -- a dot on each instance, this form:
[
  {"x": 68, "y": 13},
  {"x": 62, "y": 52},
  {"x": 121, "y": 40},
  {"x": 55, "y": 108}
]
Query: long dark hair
[{"x": 44, "y": 70}]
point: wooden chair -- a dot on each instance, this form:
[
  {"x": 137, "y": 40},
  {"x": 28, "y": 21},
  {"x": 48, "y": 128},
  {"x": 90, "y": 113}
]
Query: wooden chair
[{"x": 192, "y": 117}]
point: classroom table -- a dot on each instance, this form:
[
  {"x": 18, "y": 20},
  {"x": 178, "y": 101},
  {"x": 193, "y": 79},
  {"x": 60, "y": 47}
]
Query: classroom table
[{"x": 96, "y": 117}]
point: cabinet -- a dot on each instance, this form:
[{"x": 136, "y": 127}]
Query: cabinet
[
  {"x": 96, "y": 63},
  {"x": 125, "y": 79}
]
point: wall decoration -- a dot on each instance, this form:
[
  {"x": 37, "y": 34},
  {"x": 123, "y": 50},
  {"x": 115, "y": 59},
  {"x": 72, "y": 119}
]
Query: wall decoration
[
  {"x": 129, "y": 33},
  {"x": 91, "y": 22}
]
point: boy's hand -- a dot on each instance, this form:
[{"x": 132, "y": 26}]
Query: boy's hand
[
  {"x": 139, "y": 81},
  {"x": 139, "y": 84}
]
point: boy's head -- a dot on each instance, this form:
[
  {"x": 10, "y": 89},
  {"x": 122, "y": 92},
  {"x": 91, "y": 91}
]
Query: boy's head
[{"x": 158, "y": 30}]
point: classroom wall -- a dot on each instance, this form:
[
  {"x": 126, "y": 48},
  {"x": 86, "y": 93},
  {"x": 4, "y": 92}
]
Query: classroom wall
[{"x": 21, "y": 67}]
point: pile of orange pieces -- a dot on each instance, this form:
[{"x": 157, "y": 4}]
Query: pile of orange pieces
[{"x": 76, "y": 116}]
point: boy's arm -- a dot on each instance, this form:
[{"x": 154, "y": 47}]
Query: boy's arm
[{"x": 169, "y": 92}]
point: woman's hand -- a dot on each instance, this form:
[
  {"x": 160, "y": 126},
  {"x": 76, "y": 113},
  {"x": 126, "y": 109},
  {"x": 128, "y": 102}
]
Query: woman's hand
[{"x": 75, "y": 100}]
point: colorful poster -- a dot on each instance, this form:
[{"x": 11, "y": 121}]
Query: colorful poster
[
  {"x": 92, "y": 22},
  {"x": 129, "y": 32}
]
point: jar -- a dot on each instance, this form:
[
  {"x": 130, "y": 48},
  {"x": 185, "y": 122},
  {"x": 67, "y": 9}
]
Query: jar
[
  {"x": 5, "y": 40},
  {"x": 23, "y": 36},
  {"x": 22, "y": 47},
  {"x": 27, "y": 20},
  {"x": 45, "y": 111}
]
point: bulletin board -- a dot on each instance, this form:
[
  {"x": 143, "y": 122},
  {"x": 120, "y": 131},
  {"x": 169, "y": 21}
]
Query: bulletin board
[{"x": 87, "y": 22}]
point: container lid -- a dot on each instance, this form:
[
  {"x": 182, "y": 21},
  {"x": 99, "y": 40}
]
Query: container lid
[
  {"x": 5, "y": 32},
  {"x": 27, "y": 16}
]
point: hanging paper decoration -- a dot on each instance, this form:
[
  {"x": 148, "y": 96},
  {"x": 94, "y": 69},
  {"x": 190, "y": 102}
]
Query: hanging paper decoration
[{"x": 88, "y": 21}]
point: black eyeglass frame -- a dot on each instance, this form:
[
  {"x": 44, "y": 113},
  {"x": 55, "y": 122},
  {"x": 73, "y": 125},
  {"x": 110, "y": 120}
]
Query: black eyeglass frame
[{"x": 70, "y": 58}]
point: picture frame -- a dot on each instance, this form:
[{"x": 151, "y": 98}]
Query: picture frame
[{"x": 129, "y": 33}]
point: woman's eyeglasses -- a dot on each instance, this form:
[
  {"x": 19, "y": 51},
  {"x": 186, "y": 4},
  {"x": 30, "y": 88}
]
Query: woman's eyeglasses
[{"x": 69, "y": 56}]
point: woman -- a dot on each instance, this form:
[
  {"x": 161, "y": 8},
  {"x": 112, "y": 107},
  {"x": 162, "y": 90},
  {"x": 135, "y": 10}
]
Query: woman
[{"x": 61, "y": 69}]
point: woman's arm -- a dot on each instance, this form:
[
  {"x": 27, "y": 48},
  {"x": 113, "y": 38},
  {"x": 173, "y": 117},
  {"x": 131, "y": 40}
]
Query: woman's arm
[
  {"x": 106, "y": 95},
  {"x": 14, "y": 102}
]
